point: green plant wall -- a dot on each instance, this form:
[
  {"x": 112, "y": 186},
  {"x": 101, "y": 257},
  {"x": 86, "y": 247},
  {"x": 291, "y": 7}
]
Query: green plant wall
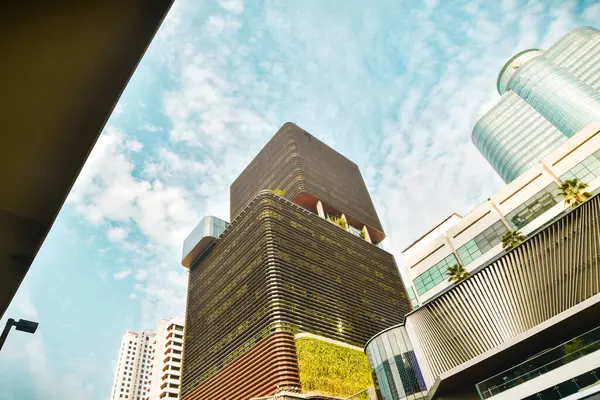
[{"x": 331, "y": 369}]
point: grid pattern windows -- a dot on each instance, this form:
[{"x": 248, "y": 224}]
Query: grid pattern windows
[
  {"x": 513, "y": 136},
  {"x": 397, "y": 374},
  {"x": 565, "y": 101},
  {"x": 534, "y": 207},
  {"x": 434, "y": 275},
  {"x": 481, "y": 243},
  {"x": 560, "y": 93},
  {"x": 586, "y": 170}
]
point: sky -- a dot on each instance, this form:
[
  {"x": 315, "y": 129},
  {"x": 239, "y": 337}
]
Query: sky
[{"x": 396, "y": 86}]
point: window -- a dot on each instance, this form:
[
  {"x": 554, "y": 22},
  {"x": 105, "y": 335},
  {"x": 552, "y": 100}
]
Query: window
[
  {"x": 586, "y": 170},
  {"x": 481, "y": 243},
  {"x": 535, "y": 206},
  {"x": 434, "y": 275}
]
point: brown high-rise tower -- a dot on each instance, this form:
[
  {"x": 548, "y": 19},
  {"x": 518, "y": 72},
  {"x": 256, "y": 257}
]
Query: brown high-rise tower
[{"x": 282, "y": 268}]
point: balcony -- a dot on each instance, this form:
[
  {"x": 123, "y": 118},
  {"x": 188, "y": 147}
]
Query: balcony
[
  {"x": 175, "y": 343},
  {"x": 551, "y": 360}
]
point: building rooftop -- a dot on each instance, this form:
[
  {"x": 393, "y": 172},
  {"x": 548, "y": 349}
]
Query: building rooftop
[{"x": 429, "y": 232}]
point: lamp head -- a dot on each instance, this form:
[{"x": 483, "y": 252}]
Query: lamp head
[{"x": 26, "y": 326}]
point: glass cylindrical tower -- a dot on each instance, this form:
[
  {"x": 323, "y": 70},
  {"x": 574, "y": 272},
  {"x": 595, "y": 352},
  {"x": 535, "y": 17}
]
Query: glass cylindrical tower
[
  {"x": 547, "y": 97},
  {"x": 565, "y": 101},
  {"x": 396, "y": 372}
]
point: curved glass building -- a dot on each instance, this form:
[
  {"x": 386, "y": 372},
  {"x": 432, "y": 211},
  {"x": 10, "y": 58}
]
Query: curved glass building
[
  {"x": 397, "y": 374},
  {"x": 547, "y": 97}
]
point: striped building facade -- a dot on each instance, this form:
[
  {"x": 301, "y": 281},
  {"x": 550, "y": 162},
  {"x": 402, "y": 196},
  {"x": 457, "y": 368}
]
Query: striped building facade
[
  {"x": 281, "y": 268},
  {"x": 547, "y": 97}
]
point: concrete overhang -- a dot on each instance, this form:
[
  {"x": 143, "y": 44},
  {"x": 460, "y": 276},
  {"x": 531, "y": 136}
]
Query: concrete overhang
[
  {"x": 63, "y": 69},
  {"x": 459, "y": 382}
]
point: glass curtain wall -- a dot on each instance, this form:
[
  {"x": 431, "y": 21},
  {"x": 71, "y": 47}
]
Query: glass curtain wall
[{"x": 396, "y": 373}]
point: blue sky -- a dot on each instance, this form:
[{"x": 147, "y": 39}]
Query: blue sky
[{"x": 395, "y": 86}]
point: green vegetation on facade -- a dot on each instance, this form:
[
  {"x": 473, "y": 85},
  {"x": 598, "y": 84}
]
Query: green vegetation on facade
[
  {"x": 339, "y": 221},
  {"x": 457, "y": 273},
  {"x": 574, "y": 192},
  {"x": 512, "y": 239},
  {"x": 278, "y": 192},
  {"x": 331, "y": 369}
]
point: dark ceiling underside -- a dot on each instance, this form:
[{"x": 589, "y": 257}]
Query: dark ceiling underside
[{"x": 63, "y": 69}]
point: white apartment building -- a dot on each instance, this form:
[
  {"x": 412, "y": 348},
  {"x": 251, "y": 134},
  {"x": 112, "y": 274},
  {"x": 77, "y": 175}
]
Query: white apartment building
[
  {"x": 165, "y": 377},
  {"x": 525, "y": 204},
  {"x": 133, "y": 366}
]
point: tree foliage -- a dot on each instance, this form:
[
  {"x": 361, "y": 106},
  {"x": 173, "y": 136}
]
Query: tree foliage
[
  {"x": 457, "y": 273},
  {"x": 512, "y": 239},
  {"x": 574, "y": 192},
  {"x": 339, "y": 221},
  {"x": 278, "y": 192}
]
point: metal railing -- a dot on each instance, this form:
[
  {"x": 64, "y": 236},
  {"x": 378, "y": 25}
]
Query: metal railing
[{"x": 541, "y": 364}]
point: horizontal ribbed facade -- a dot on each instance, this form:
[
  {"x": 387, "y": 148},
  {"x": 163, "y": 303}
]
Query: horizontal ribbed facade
[
  {"x": 280, "y": 268},
  {"x": 578, "y": 52},
  {"x": 296, "y": 162},
  {"x": 259, "y": 372},
  {"x": 544, "y": 95},
  {"x": 552, "y": 271},
  {"x": 513, "y": 136}
]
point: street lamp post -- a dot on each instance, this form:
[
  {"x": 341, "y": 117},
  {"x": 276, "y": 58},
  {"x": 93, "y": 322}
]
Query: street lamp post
[{"x": 22, "y": 325}]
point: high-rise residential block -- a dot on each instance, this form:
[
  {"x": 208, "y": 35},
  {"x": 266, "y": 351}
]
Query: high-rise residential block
[
  {"x": 296, "y": 276},
  {"x": 133, "y": 366},
  {"x": 165, "y": 376},
  {"x": 547, "y": 97}
]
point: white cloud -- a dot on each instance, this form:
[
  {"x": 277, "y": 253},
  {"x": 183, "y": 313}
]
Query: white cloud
[
  {"x": 400, "y": 100},
  {"x": 151, "y": 128},
  {"x": 141, "y": 274},
  {"x": 31, "y": 352},
  {"x": 118, "y": 110},
  {"x": 132, "y": 296},
  {"x": 117, "y": 234},
  {"x": 122, "y": 274},
  {"x": 235, "y": 6},
  {"x": 134, "y": 145},
  {"x": 562, "y": 20},
  {"x": 216, "y": 24},
  {"x": 108, "y": 190},
  {"x": 592, "y": 13}
]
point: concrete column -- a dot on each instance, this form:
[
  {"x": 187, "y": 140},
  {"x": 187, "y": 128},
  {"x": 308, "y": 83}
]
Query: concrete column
[
  {"x": 551, "y": 173},
  {"x": 451, "y": 246},
  {"x": 320, "y": 210},
  {"x": 366, "y": 232},
  {"x": 495, "y": 208},
  {"x": 344, "y": 218}
]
